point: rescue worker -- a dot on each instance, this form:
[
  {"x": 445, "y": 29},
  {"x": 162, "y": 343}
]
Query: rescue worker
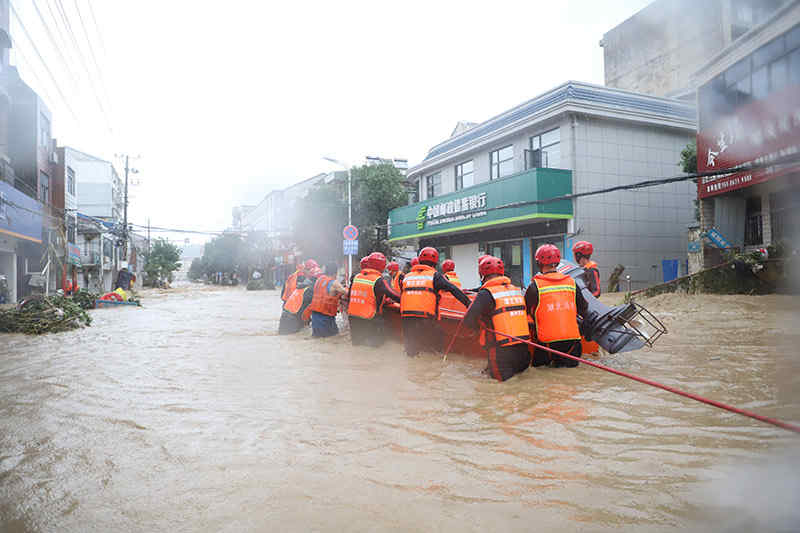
[
  {"x": 325, "y": 303},
  {"x": 419, "y": 303},
  {"x": 365, "y": 308},
  {"x": 499, "y": 305},
  {"x": 554, "y": 304},
  {"x": 395, "y": 276},
  {"x": 294, "y": 278},
  {"x": 449, "y": 272},
  {"x": 591, "y": 274},
  {"x": 295, "y": 311},
  {"x": 582, "y": 250}
]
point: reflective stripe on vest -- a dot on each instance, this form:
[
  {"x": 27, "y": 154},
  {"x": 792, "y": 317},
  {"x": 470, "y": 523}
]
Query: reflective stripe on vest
[
  {"x": 419, "y": 299},
  {"x": 452, "y": 277},
  {"x": 362, "y": 295},
  {"x": 295, "y": 301},
  {"x": 555, "y": 315},
  {"x": 323, "y": 302},
  {"x": 509, "y": 314}
]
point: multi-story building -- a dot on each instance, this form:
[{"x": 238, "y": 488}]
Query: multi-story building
[
  {"x": 657, "y": 50},
  {"x": 749, "y": 111},
  {"x": 65, "y": 203},
  {"x": 574, "y": 138},
  {"x": 100, "y": 190}
]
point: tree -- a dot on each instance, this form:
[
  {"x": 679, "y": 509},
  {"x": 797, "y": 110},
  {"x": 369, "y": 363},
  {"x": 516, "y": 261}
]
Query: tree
[
  {"x": 197, "y": 270},
  {"x": 162, "y": 261},
  {"x": 321, "y": 215}
]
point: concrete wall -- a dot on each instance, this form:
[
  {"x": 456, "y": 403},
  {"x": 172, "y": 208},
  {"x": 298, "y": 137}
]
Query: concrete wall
[
  {"x": 660, "y": 47},
  {"x": 8, "y": 267},
  {"x": 465, "y": 256}
]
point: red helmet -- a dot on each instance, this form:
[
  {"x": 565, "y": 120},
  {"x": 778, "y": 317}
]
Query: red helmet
[
  {"x": 310, "y": 264},
  {"x": 584, "y": 248},
  {"x": 429, "y": 255},
  {"x": 393, "y": 267},
  {"x": 377, "y": 261},
  {"x": 548, "y": 254},
  {"x": 364, "y": 262},
  {"x": 414, "y": 261},
  {"x": 491, "y": 265},
  {"x": 482, "y": 257},
  {"x": 448, "y": 266}
]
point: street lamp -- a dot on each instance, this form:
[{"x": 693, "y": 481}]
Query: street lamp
[{"x": 349, "y": 207}]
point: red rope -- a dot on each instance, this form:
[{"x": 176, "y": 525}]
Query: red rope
[{"x": 667, "y": 388}]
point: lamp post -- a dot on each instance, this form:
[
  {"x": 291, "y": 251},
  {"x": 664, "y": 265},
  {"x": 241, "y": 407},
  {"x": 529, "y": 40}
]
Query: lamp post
[{"x": 349, "y": 207}]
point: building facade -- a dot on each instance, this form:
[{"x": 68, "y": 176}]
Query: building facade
[
  {"x": 575, "y": 138},
  {"x": 100, "y": 191},
  {"x": 749, "y": 111},
  {"x": 657, "y": 50}
]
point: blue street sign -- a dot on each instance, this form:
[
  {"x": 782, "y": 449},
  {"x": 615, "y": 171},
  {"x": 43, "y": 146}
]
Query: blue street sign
[
  {"x": 717, "y": 239},
  {"x": 350, "y": 247}
]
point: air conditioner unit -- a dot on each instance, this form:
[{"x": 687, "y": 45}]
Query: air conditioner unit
[{"x": 53, "y": 157}]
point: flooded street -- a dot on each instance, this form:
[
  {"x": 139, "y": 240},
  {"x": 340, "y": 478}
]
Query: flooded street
[{"x": 190, "y": 414}]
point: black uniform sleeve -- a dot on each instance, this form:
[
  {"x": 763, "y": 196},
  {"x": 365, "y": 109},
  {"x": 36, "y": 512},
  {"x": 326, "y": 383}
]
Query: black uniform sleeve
[
  {"x": 592, "y": 278},
  {"x": 381, "y": 290},
  {"x": 440, "y": 283},
  {"x": 483, "y": 305},
  {"x": 531, "y": 298},
  {"x": 308, "y": 295},
  {"x": 580, "y": 303}
]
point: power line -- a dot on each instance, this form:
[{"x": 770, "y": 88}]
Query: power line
[
  {"x": 97, "y": 30},
  {"x": 94, "y": 58},
  {"x": 44, "y": 63},
  {"x": 55, "y": 45}
]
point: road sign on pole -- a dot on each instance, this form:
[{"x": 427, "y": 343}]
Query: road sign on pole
[
  {"x": 350, "y": 233},
  {"x": 350, "y": 247}
]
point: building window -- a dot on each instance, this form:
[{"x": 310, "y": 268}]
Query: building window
[
  {"x": 70, "y": 181},
  {"x": 545, "y": 150},
  {"x": 433, "y": 184},
  {"x": 45, "y": 132},
  {"x": 44, "y": 188},
  {"x": 501, "y": 162},
  {"x": 464, "y": 174}
]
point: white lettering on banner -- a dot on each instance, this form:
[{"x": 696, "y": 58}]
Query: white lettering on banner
[{"x": 456, "y": 210}]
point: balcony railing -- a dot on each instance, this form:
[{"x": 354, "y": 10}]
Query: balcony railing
[{"x": 753, "y": 230}]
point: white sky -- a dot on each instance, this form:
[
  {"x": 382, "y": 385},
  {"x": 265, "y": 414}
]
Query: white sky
[{"x": 226, "y": 100}]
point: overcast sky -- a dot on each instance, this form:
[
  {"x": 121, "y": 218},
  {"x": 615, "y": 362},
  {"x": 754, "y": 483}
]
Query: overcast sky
[{"x": 227, "y": 100}]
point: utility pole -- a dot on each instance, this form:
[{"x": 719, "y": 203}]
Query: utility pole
[
  {"x": 125, "y": 213},
  {"x": 148, "y": 237}
]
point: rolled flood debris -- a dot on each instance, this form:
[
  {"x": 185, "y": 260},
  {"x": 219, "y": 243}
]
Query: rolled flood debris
[{"x": 622, "y": 328}]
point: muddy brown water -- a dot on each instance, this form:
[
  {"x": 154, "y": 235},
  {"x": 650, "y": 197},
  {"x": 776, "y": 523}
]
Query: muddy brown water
[{"x": 189, "y": 414}]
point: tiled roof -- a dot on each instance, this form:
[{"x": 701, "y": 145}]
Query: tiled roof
[{"x": 576, "y": 92}]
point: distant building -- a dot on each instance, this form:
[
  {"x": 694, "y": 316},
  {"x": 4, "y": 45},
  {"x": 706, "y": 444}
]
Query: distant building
[
  {"x": 749, "y": 110},
  {"x": 574, "y": 138},
  {"x": 100, "y": 190},
  {"x": 657, "y": 50},
  {"x": 399, "y": 164}
]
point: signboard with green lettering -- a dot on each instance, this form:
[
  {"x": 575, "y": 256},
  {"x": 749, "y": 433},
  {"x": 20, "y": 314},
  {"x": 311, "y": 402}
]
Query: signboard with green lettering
[{"x": 482, "y": 205}]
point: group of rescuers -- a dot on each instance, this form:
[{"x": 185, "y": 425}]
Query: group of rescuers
[{"x": 547, "y": 313}]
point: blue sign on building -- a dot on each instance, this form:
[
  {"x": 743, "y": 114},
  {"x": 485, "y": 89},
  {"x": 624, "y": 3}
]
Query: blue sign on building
[
  {"x": 717, "y": 239},
  {"x": 20, "y": 215},
  {"x": 350, "y": 247}
]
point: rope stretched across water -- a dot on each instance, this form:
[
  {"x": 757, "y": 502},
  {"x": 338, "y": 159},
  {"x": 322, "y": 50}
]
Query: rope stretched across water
[{"x": 696, "y": 397}]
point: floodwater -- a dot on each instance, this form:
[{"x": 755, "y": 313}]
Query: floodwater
[{"x": 189, "y": 414}]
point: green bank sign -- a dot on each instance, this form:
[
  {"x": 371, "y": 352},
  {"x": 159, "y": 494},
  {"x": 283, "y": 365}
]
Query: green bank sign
[{"x": 482, "y": 205}]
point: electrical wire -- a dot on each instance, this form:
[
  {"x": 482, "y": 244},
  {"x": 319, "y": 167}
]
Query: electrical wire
[
  {"x": 99, "y": 71},
  {"x": 55, "y": 45},
  {"x": 44, "y": 63}
]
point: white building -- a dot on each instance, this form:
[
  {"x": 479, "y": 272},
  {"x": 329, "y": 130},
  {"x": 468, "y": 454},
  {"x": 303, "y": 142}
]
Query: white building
[{"x": 99, "y": 189}]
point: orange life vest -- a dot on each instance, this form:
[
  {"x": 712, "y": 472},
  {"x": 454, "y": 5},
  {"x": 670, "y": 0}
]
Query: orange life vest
[
  {"x": 324, "y": 302},
  {"x": 295, "y": 301},
  {"x": 396, "y": 282},
  {"x": 362, "y": 295},
  {"x": 556, "y": 315},
  {"x": 590, "y": 264},
  {"x": 586, "y": 267},
  {"x": 509, "y": 314},
  {"x": 290, "y": 286},
  {"x": 419, "y": 299},
  {"x": 452, "y": 277}
]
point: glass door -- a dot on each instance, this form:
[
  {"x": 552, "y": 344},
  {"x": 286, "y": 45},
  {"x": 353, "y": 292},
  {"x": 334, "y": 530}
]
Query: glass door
[{"x": 511, "y": 254}]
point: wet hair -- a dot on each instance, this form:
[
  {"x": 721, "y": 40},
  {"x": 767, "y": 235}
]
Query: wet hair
[{"x": 331, "y": 269}]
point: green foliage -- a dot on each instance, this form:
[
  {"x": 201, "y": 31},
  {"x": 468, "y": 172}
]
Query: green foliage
[
  {"x": 85, "y": 299},
  {"x": 688, "y": 164},
  {"x": 39, "y": 314},
  {"x": 162, "y": 261},
  {"x": 260, "y": 285},
  {"x": 197, "y": 270},
  {"x": 320, "y": 217}
]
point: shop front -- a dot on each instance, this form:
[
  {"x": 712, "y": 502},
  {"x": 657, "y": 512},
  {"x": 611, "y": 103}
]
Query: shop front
[
  {"x": 505, "y": 217},
  {"x": 20, "y": 242}
]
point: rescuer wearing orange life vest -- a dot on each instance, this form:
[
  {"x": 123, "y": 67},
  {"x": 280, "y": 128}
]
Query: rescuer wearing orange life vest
[
  {"x": 365, "y": 309},
  {"x": 582, "y": 250},
  {"x": 295, "y": 311},
  {"x": 296, "y": 277},
  {"x": 591, "y": 274},
  {"x": 449, "y": 272},
  {"x": 499, "y": 305},
  {"x": 554, "y": 304},
  {"x": 395, "y": 276},
  {"x": 419, "y": 303},
  {"x": 325, "y": 303}
]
